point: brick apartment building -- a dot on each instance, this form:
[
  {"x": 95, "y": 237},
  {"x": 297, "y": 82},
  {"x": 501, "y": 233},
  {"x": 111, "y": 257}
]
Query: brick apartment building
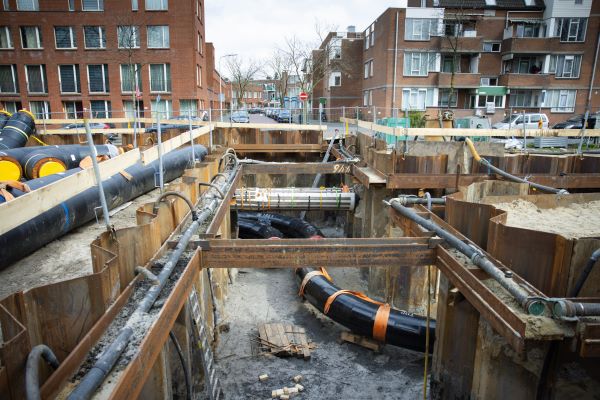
[
  {"x": 213, "y": 84},
  {"x": 61, "y": 57},
  {"x": 507, "y": 55}
]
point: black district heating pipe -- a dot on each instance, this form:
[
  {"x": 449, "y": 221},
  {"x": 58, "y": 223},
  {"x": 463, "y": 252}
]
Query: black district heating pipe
[
  {"x": 506, "y": 175},
  {"x": 403, "y": 329},
  {"x": 17, "y": 130},
  {"x": 81, "y": 208},
  {"x": 106, "y": 361},
  {"x": 4, "y": 117},
  {"x": 33, "y": 159}
]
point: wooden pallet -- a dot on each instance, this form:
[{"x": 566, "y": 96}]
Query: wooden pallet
[
  {"x": 361, "y": 341},
  {"x": 284, "y": 340}
]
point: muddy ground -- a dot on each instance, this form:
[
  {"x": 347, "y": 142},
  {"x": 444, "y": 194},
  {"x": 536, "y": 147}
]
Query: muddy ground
[{"x": 335, "y": 371}]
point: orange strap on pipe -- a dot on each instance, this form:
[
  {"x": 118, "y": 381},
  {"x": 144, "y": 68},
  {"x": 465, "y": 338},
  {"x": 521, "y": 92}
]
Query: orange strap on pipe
[
  {"x": 381, "y": 321},
  {"x": 360, "y": 295},
  {"x": 320, "y": 272}
]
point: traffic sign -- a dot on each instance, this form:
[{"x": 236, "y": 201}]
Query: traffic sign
[{"x": 303, "y": 96}]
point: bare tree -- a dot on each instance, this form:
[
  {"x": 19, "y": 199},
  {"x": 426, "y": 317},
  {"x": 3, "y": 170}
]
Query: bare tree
[
  {"x": 280, "y": 66},
  {"x": 242, "y": 73}
]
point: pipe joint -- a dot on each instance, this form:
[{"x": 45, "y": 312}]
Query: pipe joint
[{"x": 147, "y": 274}]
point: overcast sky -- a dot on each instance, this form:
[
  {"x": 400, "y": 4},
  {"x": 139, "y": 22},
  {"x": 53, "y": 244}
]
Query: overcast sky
[{"x": 255, "y": 28}]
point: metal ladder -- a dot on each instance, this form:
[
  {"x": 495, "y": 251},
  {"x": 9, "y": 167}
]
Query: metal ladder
[{"x": 213, "y": 385}]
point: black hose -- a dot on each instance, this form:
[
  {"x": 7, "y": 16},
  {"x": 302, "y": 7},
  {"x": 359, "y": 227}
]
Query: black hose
[
  {"x": 585, "y": 273},
  {"x": 81, "y": 208},
  {"x": 32, "y": 369},
  {"x": 534, "y": 306},
  {"x": 182, "y": 197},
  {"x": 403, "y": 329},
  {"x": 17, "y": 130},
  {"x": 186, "y": 371}
]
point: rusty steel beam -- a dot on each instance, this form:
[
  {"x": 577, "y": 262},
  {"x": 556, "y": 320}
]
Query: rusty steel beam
[
  {"x": 441, "y": 181},
  {"x": 297, "y": 253},
  {"x": 298, "y": 168},
  {"x": 368, "y": 176}
]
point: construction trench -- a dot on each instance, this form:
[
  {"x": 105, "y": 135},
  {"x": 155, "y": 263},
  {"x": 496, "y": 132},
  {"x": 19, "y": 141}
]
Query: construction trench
[{"x": 275, "y": 264}]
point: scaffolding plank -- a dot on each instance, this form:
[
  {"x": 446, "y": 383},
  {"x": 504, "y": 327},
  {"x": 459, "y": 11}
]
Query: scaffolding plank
[{"x": 297, "y": 168}]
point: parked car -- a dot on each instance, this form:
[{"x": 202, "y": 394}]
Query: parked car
[
  {"x": 284, "y": 116},
  {"x": 93, "y": 125},
  {"x": 185, "y": 124},
  {"x": 576, "y": 122},
  {"x": 275, "y": 113},
  {"x": 255, "y": 110},
  {"x": 241, "y": 117},
  {"x": 518, "y": 121}
]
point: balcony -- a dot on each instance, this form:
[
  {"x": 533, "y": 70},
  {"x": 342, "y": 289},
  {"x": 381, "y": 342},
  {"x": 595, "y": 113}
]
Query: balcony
[
  {"x": 530, "y": 45},
  {"x": 464, "y": 44},
  {"x": 524, "y": 80},
  {"x": 461, "y": 80}
]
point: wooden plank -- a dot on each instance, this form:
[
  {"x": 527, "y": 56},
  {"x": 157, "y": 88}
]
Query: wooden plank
[
  {"x": 289, "y": 253},
  {"x": 303, "y": 342},
  {"x": 361, "y": 341},
  {"x": 152, "y": 154},
  {"x": 441, "y": 181},
  {"x": 297, "y": 168},
  {"x": 30, "y": 205},
  {"x": 42, "y": 131},
  {"x": 277, "y": 148},
  {"x": 271, "y": 126}
]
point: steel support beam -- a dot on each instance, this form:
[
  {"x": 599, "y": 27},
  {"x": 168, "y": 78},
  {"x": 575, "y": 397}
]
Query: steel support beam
[{"x": 298, "y": 168}]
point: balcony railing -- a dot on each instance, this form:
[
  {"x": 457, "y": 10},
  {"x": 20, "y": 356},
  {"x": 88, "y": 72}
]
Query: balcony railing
[
  {"x": 524, "y": 80},
  {"x": 461, "y": 80}
]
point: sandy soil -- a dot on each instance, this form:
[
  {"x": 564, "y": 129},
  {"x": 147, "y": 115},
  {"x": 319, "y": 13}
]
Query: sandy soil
[
  {"x": 67, "y": 257},
  {"x": 575, "y": 221},
  {"x": 335, "y": 371}
]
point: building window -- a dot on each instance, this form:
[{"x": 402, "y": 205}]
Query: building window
[
  {"x": 491, "y": 47},
  {"x": 92, "y": 5},
  {"x": 525, "y": 98},
  {"x": 65, "y": 37},
  {"x": 188, "y": 107},
  {"x": 36, "y": 79},
  {"x": 98, "y": 78},
  {"x": 131, "y": 78},
  {"x": 31, "y": 37},
  {"x": 5, "y": 38},
  {"x": 483, "y": 101},
  {"x": 366, "y": 69},
  {"x": 160, "y": 78},
  {"x": 367, "y": 41},
  {"x": 570, "y": 29},
  {"x": 9, "y": 82},
  {"x": 366, "y": 98},
  {"x": 158, "y": 37},
  {"x": 164, "y": 108},
  {"x": 530, "y": 30},
  {"x": 560, "y": 100},
  {"x": 419, "y": 64},
  {"x": 100, "y": 108},
  {"x": 41, "y": 109},
  {"x": 73, "y": 109},
  {"x": 200, "y": 46},
  {"x": 335, "y": 79},
  {"x": 6, "y": 5},
  {"x": 28, "y": 5},
  {"x": 335, "y": 49},
  {"x": 157, "y": 5},
  {"x": 488, "y": 81},
  {"x": 95, "y": 37},
  {"x": 128, "y": 37},
  {"x": 420, "y": 28},
  {"x": 134, "y": 5},
  {"x": 12, "y": 106},
  {"x": 198, "y": 76},
  {"x": 71, "y": 5},
  {"x": 417, "y": 98},
  {"x": 565, "y": 66},
  {"x": 69, "y": 78},
  {"x": 444, "y": 97}
]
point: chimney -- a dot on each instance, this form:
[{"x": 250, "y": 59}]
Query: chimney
[{"x": 351, "y": 28}]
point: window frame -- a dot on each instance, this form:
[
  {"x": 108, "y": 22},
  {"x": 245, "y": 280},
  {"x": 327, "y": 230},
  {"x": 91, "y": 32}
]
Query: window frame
[
  {"x": 76, "y": 77},
  {"x": 46, "y": 113},
  {"x": 105, "y": 81},
  {"x": 137, "y": 79},
  {"x": 136, "y": 37},
  {"x": 8, "y": 33},
  {"x": 167, "y": 79},
  {"x": 166, "y": 5},
  {"x": 72, "y": 37},
  {"x": 38, "y": 36},
  {"x": 15, "y": 79},
  {"x": 99, "y": 5},
  {"x": 34, "y": 3},
  {"x": 101, "y": 37},
  {"x": 168, "y": 37},
  {"x": 43, "y": 78},
  {"x": 499, "y": 44},
  {"x": 107, "y": 108}
]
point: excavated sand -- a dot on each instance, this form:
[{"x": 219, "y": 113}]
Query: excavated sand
[{"x": 574, "y": 221}]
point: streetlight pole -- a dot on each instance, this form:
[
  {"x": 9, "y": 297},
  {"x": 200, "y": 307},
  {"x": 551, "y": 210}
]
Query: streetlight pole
[{"x": 221, "y": 83}]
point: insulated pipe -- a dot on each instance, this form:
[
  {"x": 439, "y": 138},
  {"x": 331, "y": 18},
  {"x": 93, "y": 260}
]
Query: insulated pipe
[
  {"x": 4, "y": 117},
  {"x": 17, "y": 130},
  {"x": 403, "y": 329},
  {"x": 294, "y": 199},
  {"x": 406, "y": 200},
  {"x": 585, "y": 273},
  {"x": 108, "y": 358},
  {"x": 81, "y": 208},
  {"x": 32, "y": 369},
  {"x": 506, "y": 175},
  {"x": 533, "y": 305}
]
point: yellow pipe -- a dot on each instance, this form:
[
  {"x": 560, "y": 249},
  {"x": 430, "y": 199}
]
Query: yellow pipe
[{"x": 476, "y": 155}]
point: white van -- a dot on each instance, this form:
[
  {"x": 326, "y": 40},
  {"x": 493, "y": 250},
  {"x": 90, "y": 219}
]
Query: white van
[{"x": 518, "y": 121}]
